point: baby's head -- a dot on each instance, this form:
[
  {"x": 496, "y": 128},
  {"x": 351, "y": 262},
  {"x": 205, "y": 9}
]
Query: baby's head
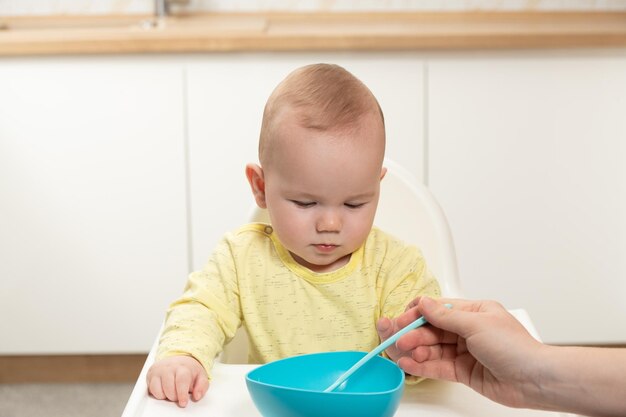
[
  {"x": 321, "y": 150},
  {"x": 322, "y": 98}
]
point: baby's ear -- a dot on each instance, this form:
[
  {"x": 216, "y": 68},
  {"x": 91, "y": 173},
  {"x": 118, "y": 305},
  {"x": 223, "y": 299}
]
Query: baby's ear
[
  {"x": 255, "y": 176},
  {"x": 383, "y": 172}
]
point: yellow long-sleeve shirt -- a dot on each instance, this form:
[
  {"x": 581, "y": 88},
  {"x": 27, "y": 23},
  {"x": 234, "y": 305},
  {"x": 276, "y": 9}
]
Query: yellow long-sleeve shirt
[{"x": 288, "y": 309}]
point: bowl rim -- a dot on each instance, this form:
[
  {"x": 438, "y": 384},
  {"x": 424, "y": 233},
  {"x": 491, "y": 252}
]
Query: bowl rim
[{"x": 396, "y": 388}]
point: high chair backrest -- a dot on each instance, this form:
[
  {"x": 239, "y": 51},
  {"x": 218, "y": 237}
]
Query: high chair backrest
[{"x": 407, "y": 210}]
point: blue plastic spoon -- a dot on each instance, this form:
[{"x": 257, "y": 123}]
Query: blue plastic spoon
[{"x": 384, "y": 345}]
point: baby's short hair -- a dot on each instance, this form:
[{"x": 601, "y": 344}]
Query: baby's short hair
[{"x": 323, "y": 97}]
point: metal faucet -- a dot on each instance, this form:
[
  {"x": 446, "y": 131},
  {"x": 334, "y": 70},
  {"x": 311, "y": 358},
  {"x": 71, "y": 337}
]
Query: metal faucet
[{"x": 162, "y": 7}]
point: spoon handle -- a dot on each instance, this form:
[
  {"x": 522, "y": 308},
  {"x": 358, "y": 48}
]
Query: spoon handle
[{"x": 384, "y": 345}]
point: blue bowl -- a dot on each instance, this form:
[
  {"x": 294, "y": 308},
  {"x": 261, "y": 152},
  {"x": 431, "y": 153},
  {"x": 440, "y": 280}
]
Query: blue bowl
[{"x": 293, "y": 387}]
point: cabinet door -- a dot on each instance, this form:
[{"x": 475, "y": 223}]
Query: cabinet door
[
  {"x": 92, "y": 212},
  {"x": 527, "y": 157},
  {"x": 227, "y": 94}
]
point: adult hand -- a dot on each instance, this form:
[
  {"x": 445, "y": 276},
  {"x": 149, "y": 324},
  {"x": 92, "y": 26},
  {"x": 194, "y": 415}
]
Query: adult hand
[{"x": 477, "y": 343}]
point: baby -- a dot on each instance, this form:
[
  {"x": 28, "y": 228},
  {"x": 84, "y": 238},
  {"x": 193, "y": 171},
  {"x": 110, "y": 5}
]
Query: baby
[{"x": 320, "y": 276}]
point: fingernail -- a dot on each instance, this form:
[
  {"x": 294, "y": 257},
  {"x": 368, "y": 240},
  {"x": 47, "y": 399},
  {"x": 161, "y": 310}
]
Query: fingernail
[
  {"x": 382, "y": 324},
  {"x": 427, "y": 300}
]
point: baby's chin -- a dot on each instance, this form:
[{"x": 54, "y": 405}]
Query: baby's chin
[{"x": 325, "y": 265}]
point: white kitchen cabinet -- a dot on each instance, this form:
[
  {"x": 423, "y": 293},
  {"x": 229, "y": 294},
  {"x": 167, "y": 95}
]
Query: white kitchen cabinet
[
  {"x": 93, "y": 232},
  {"x": 527, "y": 157},
  {"x": 226, "y": 96}
]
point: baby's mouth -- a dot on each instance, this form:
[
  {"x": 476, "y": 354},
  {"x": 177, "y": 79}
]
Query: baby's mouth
[{"x": 326, "y": 247}]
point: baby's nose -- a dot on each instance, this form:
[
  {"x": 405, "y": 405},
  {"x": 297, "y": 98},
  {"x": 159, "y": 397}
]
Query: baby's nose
[{"x": 329, "y": 221}]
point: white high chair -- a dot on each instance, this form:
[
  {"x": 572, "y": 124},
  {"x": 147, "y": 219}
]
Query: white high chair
[{"x": 406, "y": 210}]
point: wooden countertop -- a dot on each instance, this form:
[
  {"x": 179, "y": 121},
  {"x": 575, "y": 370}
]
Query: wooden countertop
[{"x": 310, "y": 32}]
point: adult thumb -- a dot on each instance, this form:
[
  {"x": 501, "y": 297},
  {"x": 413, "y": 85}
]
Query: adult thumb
[{"x": 450, "y": 319}]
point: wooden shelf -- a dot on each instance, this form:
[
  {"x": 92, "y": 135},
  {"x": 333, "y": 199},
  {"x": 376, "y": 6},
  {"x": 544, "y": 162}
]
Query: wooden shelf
[
  {"x": 70, "y": 368},
  {"x": 311, "y": 32}
]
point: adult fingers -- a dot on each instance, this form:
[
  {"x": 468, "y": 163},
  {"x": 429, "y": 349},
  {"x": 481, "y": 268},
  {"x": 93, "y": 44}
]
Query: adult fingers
[
  {"x": 410, "y": 315},
  {"x": 427, "y": 353},
  {"x": 413, "y": 303},
  {"x": 387, "y": 327},
  {"x": 436, "y": 369},
  {"x": 384, "y": 326},
  {"x": 423, "y": 336},
  {"x": 459, "y": 319}
]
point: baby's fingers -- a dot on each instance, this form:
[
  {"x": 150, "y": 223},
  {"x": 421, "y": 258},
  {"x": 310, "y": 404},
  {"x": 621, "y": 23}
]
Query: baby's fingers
[
  {"x": 155, "y": 388},
  {"x": 200, "y": 387},
  {"x": 168, "y": 384},
  {"x": 183, "y": 384}
]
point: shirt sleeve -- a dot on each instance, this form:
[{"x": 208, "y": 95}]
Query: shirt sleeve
[
  {"x": 207, "y": 315},
  {"x": 407, "y": 277}
]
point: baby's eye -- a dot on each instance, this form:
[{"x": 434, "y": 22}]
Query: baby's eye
[
  {"x": 303, "y": 204},
  {"x": 354, "y": 205}
]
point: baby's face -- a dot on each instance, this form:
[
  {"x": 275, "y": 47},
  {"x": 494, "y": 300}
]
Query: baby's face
[{"x": 322, "y": 191}]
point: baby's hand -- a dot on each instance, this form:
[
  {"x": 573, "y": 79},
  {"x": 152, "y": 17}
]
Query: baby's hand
[{"x": 175, "y": 378}]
